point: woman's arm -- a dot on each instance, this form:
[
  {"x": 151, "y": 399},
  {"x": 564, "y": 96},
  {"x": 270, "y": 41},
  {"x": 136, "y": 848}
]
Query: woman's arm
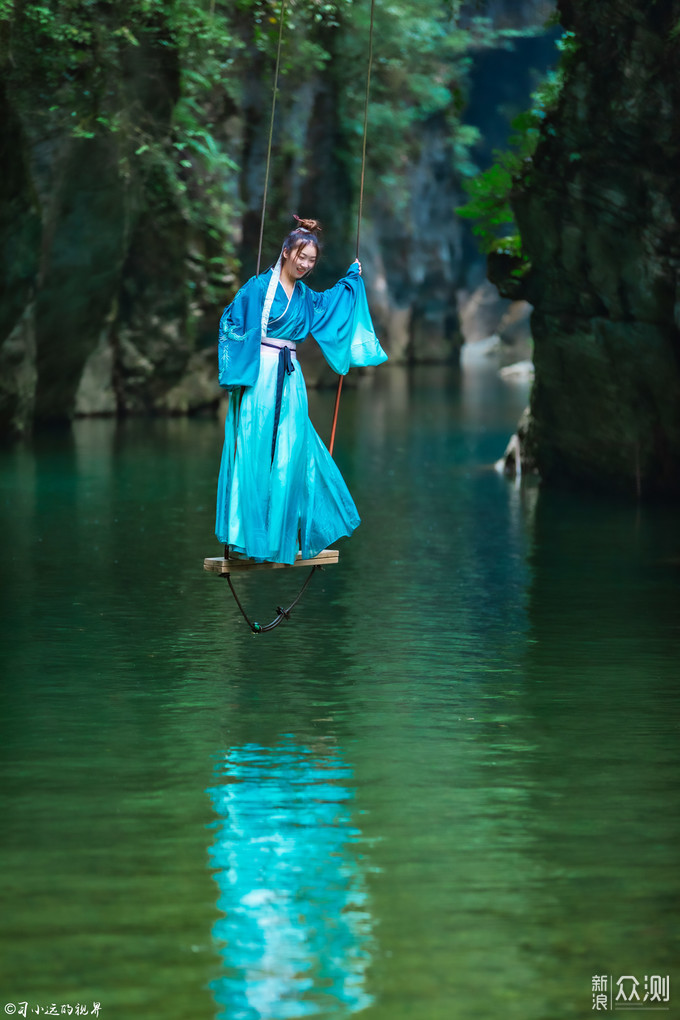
[{"x": 342, "y": 324}]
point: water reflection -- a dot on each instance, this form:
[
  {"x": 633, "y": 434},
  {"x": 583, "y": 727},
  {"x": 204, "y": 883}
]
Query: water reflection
[
  {"x": 440, "y": 557},
  {"x": 296, "y": 933},
  {"x": 600, "y": 690},
  {"x": 499, "y": 663}
]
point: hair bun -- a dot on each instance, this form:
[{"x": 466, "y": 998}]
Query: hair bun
[{"x": 313, "y": 226}]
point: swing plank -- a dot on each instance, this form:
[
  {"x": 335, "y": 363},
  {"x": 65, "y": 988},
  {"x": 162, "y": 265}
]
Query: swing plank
[{"x": 218, "y": 564}]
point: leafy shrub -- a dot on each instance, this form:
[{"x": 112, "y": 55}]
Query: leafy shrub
[{"x": 490, "y": 192}]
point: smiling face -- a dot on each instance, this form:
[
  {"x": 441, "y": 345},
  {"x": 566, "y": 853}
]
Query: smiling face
[{"x": 301, "y": 260}]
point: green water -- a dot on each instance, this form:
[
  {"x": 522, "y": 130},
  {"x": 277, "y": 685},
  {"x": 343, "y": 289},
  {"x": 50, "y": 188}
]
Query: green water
[{"x": 448, "y": 788}]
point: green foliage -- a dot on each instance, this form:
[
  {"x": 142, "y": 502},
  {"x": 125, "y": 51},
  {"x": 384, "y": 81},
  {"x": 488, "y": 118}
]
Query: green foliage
[
  {"x": 489, "y": 192},
  {"x": 420, "y": 58},
  {"x": 422, "y": 54},
  {"x": 489, "y": 204},
  {"x": 302, "y": 49},
  {"x": 169, "y": 81},
  {"x": 72, "y": 63}
]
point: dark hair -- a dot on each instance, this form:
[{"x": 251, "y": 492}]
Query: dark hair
[{"x": 306, "y": 232}]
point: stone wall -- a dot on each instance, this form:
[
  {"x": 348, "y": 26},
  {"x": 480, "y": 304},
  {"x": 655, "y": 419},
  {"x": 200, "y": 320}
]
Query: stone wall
[
  {"x": 599, "y": 215},
  {"x": 93, "y": 310}
]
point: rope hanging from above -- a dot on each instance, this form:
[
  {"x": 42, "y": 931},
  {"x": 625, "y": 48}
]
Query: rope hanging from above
[
  {"x": 282, "y": 16},
  {"x": 338, "y": 391},
  {"x": 365, "y": 132},
  {"x": 284, "y": 614}
]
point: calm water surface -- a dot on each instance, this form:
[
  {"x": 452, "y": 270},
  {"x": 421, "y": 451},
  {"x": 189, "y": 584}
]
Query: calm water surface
[{"x": 448, "y": 788}]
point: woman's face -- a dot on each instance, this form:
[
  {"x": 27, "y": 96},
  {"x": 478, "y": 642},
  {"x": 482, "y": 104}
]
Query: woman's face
[{"x": 301, "y": 260}]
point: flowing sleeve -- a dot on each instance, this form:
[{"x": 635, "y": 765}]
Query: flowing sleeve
[
  {"x": 342, "y": 325},
  {"x": 239, "y": 336}
]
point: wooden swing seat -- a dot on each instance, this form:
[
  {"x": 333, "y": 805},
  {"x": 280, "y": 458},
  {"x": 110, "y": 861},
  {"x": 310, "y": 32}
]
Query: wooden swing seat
[{"x": 220, "y": 565}]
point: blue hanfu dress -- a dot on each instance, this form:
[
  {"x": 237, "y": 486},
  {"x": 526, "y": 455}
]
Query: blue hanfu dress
[{"x": 279, "y": 490}]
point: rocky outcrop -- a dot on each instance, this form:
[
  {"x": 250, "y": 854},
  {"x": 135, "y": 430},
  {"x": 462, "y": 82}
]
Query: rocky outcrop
[
  {"x": 415, "y": 260},
  {"x": 599, "y": 215},
  {"x": 94, "y": 313},
  {"x": 20, "y": 243}
]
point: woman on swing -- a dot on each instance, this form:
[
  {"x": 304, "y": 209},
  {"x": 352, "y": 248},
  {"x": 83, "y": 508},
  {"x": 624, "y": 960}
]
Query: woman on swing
[{"x": 279, "y": 490}]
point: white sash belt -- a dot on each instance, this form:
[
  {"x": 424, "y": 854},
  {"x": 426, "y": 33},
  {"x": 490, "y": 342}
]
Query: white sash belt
[{"x": 273, "y": 341}]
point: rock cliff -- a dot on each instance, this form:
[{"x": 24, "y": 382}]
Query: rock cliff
[
  {"x": 93, "y": 309},
  {"x": 599, "y": 214}
]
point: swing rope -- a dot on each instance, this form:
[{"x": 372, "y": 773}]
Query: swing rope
[
  {"x": 284, "y": 614},
  {"x": 361, "y": 201},
  {"x": 282, "y": 17},
  {"x": 363, "y": 147}
]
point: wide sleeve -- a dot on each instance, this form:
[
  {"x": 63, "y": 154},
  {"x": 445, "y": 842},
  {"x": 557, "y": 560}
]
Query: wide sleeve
[
  {"x": 239, "y": 336},
  {"x": 342, "y": 325}
]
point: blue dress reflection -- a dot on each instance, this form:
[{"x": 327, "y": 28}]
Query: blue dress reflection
[{"x": 296, "y": 934}]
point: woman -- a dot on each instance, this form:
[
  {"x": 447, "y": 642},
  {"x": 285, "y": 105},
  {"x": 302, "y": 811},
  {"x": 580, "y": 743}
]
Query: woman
[{"x": 279, "y": 490}]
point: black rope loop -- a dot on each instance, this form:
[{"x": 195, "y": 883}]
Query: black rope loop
[{"x": 282, "y": 614}]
